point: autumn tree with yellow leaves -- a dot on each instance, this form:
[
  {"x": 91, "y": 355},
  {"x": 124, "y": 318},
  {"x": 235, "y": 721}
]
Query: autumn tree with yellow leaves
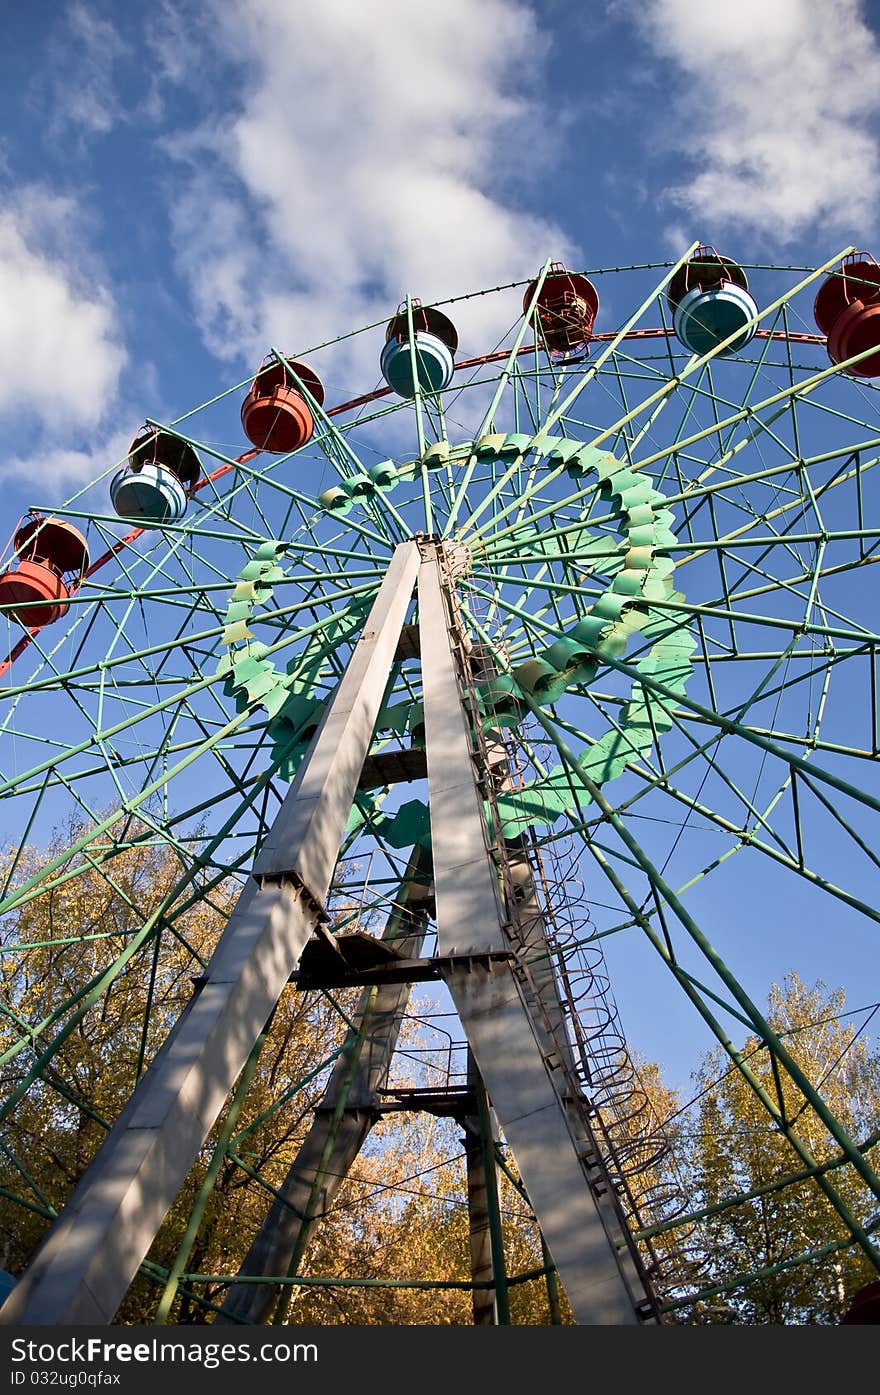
[
  {"x": 730, "y": 1150},
  {"x": 97, "y": 966},
  {"x": 401, "y": 1214}
]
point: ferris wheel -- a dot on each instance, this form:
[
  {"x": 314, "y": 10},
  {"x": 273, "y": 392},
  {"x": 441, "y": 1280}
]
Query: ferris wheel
[{"x": 578, "y": 626}]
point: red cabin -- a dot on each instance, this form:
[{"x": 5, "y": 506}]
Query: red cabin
[
  {"x": 865, "y": 1306},
  {"x": 565, "y": 312},
  {"x": 51, "y": 559},
  {"x": 847, "y": 311},
  {"x": 275, "y": 414}
]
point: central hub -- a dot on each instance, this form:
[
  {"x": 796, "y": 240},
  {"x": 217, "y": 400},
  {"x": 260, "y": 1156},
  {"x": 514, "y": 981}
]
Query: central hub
[{"x": 457, "y": 556}]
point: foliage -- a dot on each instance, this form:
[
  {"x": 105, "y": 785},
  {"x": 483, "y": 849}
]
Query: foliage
[
  {"x": 401, "y": 1214},
  {"x": 58, "y": 940},
  {"x": 730, "y": 1148}
]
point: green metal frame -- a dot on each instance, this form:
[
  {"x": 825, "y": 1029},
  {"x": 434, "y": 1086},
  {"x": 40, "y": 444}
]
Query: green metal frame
[{"x": 173, "y": 704}]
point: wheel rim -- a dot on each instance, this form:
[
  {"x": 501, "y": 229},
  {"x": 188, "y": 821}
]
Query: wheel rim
[{"x": 731, "y": 705}]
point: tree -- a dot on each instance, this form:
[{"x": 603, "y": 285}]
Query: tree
[
  {"x": 730, "y": 1148},
  {"x": 400, "y": 1215},
  {"x": 61, "y": 937}
]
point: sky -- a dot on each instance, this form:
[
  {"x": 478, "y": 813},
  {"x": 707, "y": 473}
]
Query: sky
[
  {"x": 183, "y": 184},
  {"x": 180, "y": 184}
]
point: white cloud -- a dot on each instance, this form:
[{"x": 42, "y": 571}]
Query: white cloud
[
  {"x": 60, "y": 353},
  {"x": 169, "y": 42},
  {"x": 371, "y": 153},
  {"x": 168, "y": 37},
  {"x": 778, "y": 99},
  {"x": 81, "y": 63},
  {"x": 56, "y": 466}
]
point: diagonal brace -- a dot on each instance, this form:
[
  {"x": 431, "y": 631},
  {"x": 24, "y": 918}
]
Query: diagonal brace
[
  {"x": 84, "y": 1267},
  {"x": 577, "y": 1214}
]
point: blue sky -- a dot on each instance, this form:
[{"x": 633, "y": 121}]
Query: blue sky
[{"x": 183, "y": 184}]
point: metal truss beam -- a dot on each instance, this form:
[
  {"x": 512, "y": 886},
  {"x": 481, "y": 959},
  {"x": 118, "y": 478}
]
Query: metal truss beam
[
  {"x": 84, "y": 1267},
  {"x": 349, "y": 1108},
  {"x": 528, "y": 921},
  {"x": 513, "y": 1022},
  {"x": 581, "y": 1223}
]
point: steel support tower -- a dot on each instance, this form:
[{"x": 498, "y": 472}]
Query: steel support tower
[{"x": 495, "y": 964}]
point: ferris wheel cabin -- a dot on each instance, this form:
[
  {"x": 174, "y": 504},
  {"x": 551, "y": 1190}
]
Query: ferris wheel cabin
[
  {"x": 276, "y": 415},
  {"x": 847, "y": 311},
  {"x": 565, "y": 311},
  {"x": 710, "y": 301},
  {"x": 51, "y": 559},
  {"x": 435, "y": 342},
  {"x": 155, "y": 483},
  {"x": 865, "y": 1306}
]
